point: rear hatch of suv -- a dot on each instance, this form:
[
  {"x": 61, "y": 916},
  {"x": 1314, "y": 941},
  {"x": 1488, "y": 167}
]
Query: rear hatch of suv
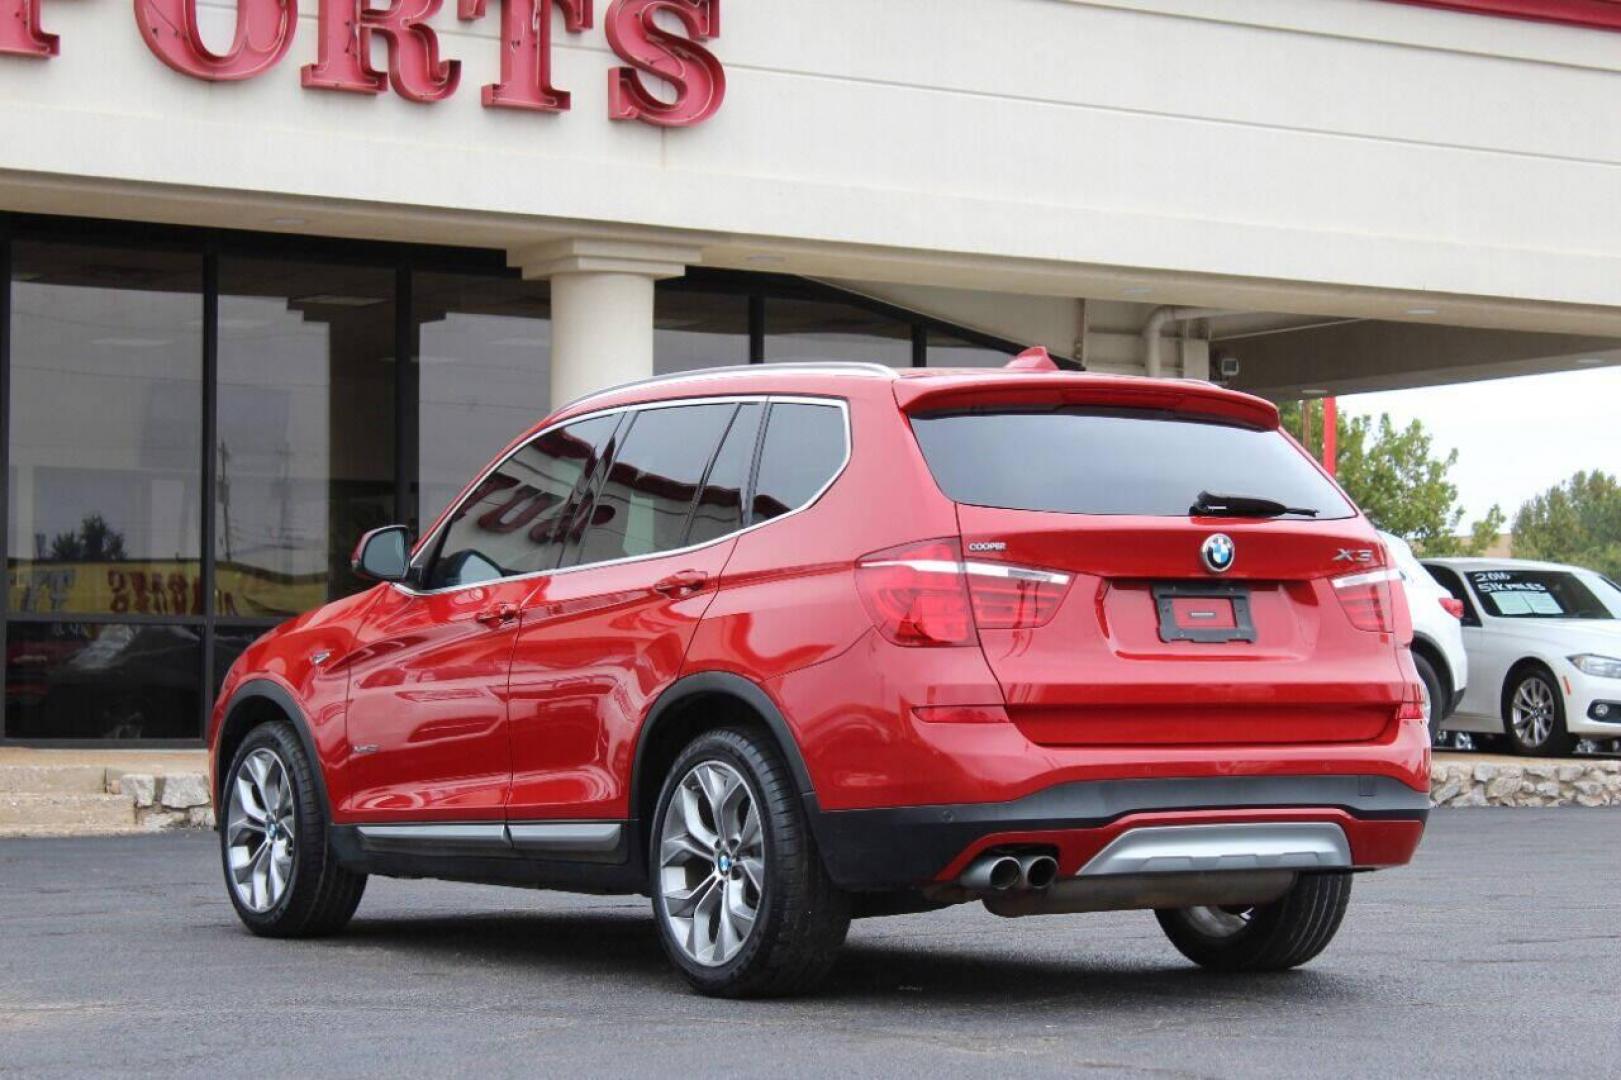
[{"x": 1152, "y": 564}]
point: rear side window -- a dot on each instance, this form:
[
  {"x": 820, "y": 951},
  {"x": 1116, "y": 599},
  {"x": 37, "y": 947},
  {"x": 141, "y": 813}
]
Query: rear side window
[
  {"x": 645, "y": 504},
  {"x": 804, "y": 449},
  {"x": 1087, "y": 461},
  {"x": 514, "y": 521}
]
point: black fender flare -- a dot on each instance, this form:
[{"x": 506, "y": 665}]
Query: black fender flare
[
  {"x": 724, "y": 684},
  {"x": 277, "y": 695}
]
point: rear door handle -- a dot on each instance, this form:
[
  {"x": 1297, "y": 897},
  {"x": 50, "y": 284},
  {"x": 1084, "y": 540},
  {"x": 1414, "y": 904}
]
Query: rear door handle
[
  {"x": 682, "y": 583},
  {"x": 500, "y": 613}
]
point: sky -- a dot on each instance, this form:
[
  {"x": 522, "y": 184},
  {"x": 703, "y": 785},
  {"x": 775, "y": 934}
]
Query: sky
[{"x": 1515, "y": 437}]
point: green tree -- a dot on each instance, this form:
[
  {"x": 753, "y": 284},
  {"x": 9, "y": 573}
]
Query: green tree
[
  {"x": 1397, "y": 478},
  {"x": 1577, "y": 522},
  {"x": 95, "y": 541}
]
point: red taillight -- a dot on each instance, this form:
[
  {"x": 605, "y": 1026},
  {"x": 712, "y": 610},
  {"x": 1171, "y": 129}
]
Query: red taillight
[
  {"x": 1367, "y": 599},
  {"x": 916, "y": 594},
  {"x": 925, "y": 594},
  {"x": 1014, "y": 597},
  {"x": 1453, "y": 605}
]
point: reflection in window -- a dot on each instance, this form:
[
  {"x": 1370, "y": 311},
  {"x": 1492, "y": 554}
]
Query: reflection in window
[
  {"x": 824, "y": 330},
  {"x": 306, "y": 430},
  {"x": 484, "y": 369},
  {"x": 229, "y": 643},
  {"x": 88, "y": 681},
  {"x": 518, "y": 517},
  {"x": 804, "y": 449},
  {"x": 644, "y": 506},
  {"x": 698, "y": 330},
  {"x": 720, "y": 504},
  {"x": 106, "y": 430}
]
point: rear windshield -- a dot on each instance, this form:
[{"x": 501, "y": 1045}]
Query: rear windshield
[
  {"x": 1089, "y": 461},
  {"x": 1537, "y": 594}
]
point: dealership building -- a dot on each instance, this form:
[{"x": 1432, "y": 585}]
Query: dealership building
[{"x": 279, "y": 272}]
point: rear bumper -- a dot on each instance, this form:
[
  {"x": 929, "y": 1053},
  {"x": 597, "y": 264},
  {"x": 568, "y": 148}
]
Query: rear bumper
[{"x": 906, "y": 847}]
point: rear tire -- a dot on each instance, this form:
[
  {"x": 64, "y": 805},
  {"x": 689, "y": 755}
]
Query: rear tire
[
  {"x": 1272, "y": 937},
  {"x": 1434, "y": 698},
  {"x": 280, "y": 873},
  {"x": 743, "y": 903}
]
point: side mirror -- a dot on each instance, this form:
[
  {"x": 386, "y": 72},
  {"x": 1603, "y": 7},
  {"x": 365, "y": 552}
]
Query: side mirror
[{"x": 383, "y": 554}]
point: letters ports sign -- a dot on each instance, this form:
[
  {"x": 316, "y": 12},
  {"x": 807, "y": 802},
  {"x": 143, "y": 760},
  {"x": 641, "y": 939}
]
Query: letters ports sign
[{"x": 416, "y": 69}]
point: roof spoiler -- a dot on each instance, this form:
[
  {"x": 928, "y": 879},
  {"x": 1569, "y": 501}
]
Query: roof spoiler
[{"x": 1033, "y": 359}]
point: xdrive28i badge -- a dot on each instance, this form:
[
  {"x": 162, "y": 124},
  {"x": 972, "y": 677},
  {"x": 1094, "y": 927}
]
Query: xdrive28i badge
[{"x": 1218, "y": 553}]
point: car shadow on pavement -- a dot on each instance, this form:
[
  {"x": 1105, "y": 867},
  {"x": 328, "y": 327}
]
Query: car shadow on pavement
[{"x": 625, "y": 944}]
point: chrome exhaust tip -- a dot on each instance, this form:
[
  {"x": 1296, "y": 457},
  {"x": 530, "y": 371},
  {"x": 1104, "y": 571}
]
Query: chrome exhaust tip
[
  {"x": 992, "y": 873},
  {"x": 1037, "y": 871}
]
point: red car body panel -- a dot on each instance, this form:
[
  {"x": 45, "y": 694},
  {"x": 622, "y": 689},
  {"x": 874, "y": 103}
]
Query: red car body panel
[
  {"x": 419, "y": 711},
  {"x": 597, "y": 647}
]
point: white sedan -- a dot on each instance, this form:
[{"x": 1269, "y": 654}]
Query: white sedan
[{"x": 1544, "y": 646}]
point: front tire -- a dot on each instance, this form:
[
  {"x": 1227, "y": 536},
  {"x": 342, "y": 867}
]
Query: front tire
[
  {"x": 280, "y": 873},
  {"x": 1270, "y": 937},
  {"x": 1534, "y": 715},
  {"x": 743, "y": 903}
]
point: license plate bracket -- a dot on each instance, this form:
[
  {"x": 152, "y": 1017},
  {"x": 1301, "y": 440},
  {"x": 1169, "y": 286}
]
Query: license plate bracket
[{"x": 1212, "y": 612}]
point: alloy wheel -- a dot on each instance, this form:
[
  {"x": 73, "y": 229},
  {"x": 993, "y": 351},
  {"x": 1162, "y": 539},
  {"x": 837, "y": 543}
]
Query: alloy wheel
[
  {"x": 711, "y": 863},
  {"x": 1532, "y": 711},
  {"x": 260, "y": 831},
  {"x": 1219, "y": 922}
]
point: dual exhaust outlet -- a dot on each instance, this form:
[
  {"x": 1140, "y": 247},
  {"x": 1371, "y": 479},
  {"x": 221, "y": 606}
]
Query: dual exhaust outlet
[{"x": 1005, "y": 873}]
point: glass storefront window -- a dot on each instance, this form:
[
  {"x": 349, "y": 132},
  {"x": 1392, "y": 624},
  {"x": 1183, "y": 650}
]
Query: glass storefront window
[
  {"x": 306, "y": 430},
  {"x": 67, "y": 680},
  {"x": 952, "y": 352},
  {"x": 106, "y": 431},
  {"x": 828, "y": 330},
  {"x": 229, "y": 643},
  {"x": 698, "y": 329},
  {"x": 484, "y": 348},
  {"x": 105, "y": 623}
]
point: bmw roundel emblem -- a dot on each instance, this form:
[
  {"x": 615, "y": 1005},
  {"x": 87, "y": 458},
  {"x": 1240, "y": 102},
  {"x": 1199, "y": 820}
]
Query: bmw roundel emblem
[{"x": 1218, "y": 553}]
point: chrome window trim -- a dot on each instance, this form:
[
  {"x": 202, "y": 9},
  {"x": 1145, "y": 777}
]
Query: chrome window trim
[{"x": 841, "y": 404}]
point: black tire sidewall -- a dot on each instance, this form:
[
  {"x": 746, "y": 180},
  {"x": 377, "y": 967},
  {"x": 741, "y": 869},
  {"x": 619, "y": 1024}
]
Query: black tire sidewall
[
  {"x": 309, "y": 830},
  {"x": 1432, "y": 687}
]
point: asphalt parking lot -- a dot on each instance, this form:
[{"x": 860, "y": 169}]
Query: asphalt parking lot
[{"x": 1497, "y": 954}]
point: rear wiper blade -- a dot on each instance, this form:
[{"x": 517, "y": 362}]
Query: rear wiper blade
[{"x": 1212, "y": 504}]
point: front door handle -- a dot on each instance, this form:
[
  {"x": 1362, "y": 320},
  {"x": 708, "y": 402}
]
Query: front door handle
[
  {"x": 500, "y": 613},
  {"x": 682, "y": 583}
]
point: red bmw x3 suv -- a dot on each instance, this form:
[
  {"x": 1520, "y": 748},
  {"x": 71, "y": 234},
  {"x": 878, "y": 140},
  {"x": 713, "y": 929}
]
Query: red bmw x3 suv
[{"x": 794, "y": 644}]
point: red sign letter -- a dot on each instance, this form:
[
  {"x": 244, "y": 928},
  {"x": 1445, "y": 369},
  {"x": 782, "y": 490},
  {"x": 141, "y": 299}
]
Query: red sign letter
[
  {"x": 20, "y": 34},
  {"x": 698, "y": 78},
  {"x": 264, "y": 29},
  {"x": 526, "y": 51},
  {"x": 414, "y": 66}
]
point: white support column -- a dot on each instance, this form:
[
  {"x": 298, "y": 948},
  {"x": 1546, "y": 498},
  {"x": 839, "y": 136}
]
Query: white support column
[{"x": 602, "y": 307}]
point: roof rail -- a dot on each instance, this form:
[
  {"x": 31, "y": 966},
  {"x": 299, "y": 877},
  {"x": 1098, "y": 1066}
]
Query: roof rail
[{"x": 844, "y": 367}]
